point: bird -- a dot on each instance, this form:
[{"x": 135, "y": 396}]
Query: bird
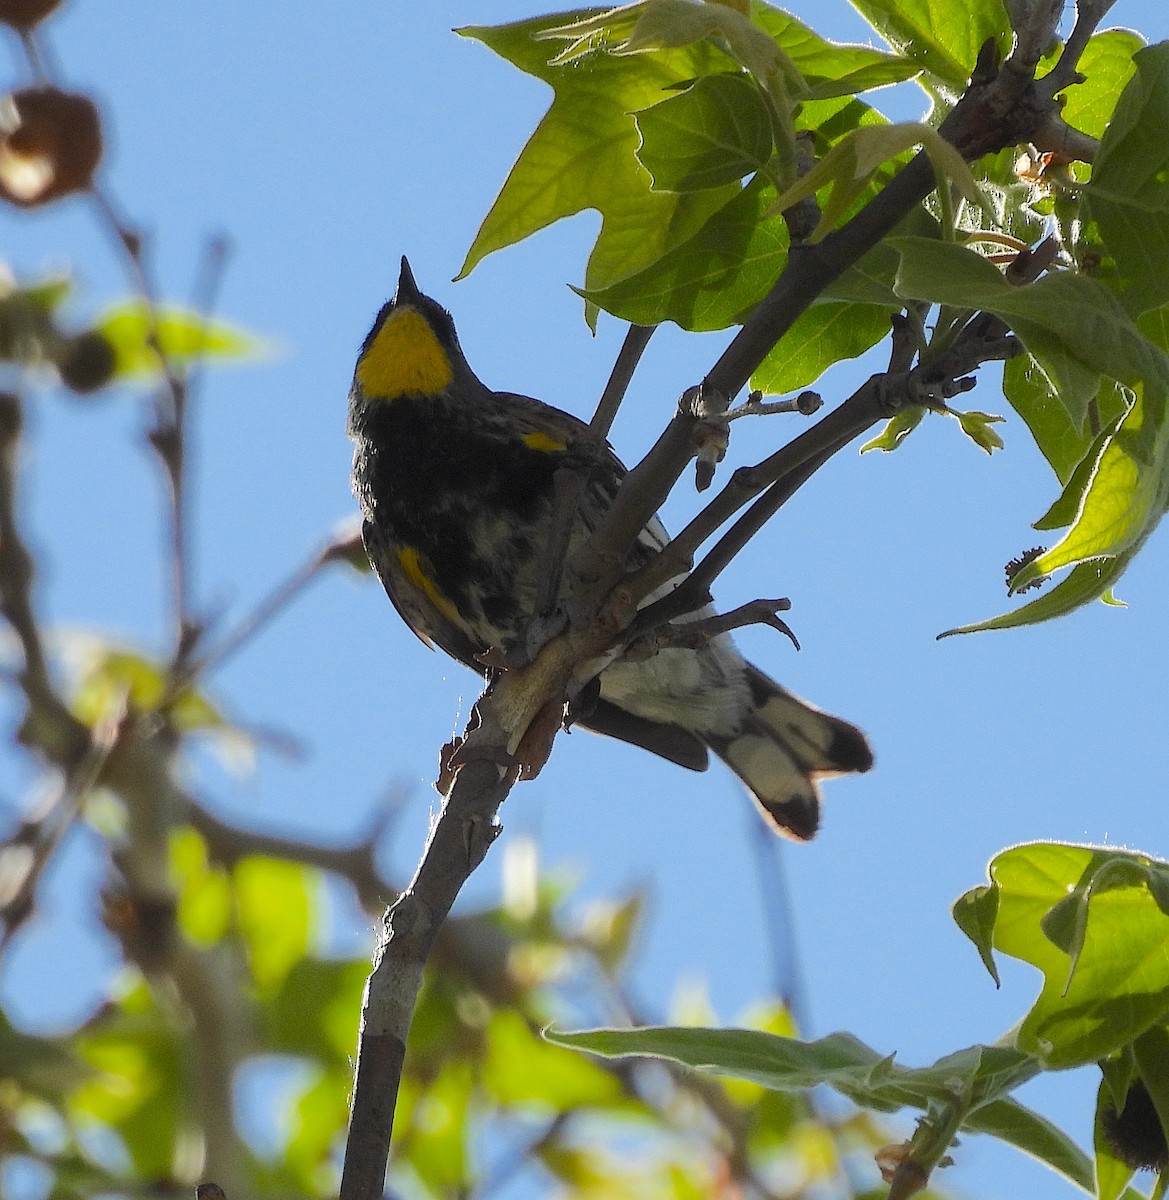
[{"x": 454, "y": 482}]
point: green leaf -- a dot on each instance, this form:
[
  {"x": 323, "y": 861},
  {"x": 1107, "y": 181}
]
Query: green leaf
[
  {"x": 582, "y": 154},
  {"x": 186, "y": 337},
  {"x": 1128, "y": 194},
  {"x": 831, "y": 68},
  {"x": 276, "y": 904},
  {"x": 978, "y": 1074},
  {"x": 1117, "y": 984},
  {"x": 1119, "y": 1071},
  {"x": 715, "y": 278},
  {"x": 823, "y": 335},
  {"x": 854, "y": 161},
  {"x": 896, "y": 430},
  {"x": 712, "y": 134},
  {"x": 975, "y": 914},
  {"x": 979, "y": 1078},
  {"x": 1078, "y": 318},
  {"x": 1107, "y": 66},
  {"x": 1086, "y": 582},
  {"x": 670, "y": 24},
  {"x": 934, "y": 35},
  {"x": 977, "y": 427},
  {"x": 1154, "y": 324},
  {"x": 1018, "y": 1126},
  {"x": 1064, "y": 510}
]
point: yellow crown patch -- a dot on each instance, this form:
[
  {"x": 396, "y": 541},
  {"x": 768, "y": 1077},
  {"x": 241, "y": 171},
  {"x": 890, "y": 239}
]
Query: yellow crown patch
[{"x": 404, "y": 359}]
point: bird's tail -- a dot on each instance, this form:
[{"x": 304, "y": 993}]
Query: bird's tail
[{"x": 782, "y": 748}]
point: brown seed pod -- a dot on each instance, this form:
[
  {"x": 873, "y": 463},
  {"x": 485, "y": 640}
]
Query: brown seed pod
[
  {"x": 50, "y": 145},
  {"x": 24, "y": 14},
  {"x": 1135, "y": 1134},
  {"x": 87, "y": 362}
]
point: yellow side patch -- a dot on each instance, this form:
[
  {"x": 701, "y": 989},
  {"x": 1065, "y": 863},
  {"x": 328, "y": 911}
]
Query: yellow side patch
[
  {"x": 544, "y": 442},
  {"x": 419, "y": 576},
  {"x": 404, "y": 359}
]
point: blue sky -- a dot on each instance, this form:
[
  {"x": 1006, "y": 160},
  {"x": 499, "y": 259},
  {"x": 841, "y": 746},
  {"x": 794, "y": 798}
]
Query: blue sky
[{"x": 329, "y": 140}]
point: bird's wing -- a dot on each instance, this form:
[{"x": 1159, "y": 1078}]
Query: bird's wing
[
  {"x": 414, "y": 607},
  {"x": 669, "y": 741}
]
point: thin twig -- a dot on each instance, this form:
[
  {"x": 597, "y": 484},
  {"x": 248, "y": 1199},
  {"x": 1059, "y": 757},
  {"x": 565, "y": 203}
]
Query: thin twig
[
  {"x": 1089, "y": 14},
  {"x": 345, "y": 544},
  {"x": 25, "y": 856}
]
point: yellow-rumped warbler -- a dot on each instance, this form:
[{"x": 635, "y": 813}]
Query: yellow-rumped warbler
[{"x": 455, "y": 485}]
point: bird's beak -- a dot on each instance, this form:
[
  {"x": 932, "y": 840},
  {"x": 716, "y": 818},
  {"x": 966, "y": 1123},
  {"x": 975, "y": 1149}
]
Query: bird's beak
[{"x": 408, "y": 292}]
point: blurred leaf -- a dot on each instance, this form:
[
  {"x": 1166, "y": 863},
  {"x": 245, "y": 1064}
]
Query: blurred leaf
[
  {"x": 276, "y": 906},
  {"x": 185, "y": 337},
  {"x": 1114, "y": 983},
  {"x": 110, "y": 676},
  {"x": 434, "y": 1143},
  {"x": 42, "y": 1066},
  {"x": 522, "y": 1069},
  {"x": 319, "y": 1118},
  {"x": 712, "y": 134},
  {"x": 138, "y": 1089},
  {"x": 822, "y": 336},
  {"x": 1128, "y": 194},
  {"x": 204, "y": 893},
  {"x": 313, "y": 1012},
  {"x": 929, "y": 33},
  {"x": 48, "y": 293},
  {"x": 610, "y": 926}
]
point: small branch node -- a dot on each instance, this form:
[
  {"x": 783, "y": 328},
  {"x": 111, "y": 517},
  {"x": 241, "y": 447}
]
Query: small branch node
[{"x": 806, "y": 404}]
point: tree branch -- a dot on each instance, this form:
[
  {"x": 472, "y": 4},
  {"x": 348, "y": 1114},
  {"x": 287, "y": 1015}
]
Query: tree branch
[{"x": 1000, "y": 108}]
